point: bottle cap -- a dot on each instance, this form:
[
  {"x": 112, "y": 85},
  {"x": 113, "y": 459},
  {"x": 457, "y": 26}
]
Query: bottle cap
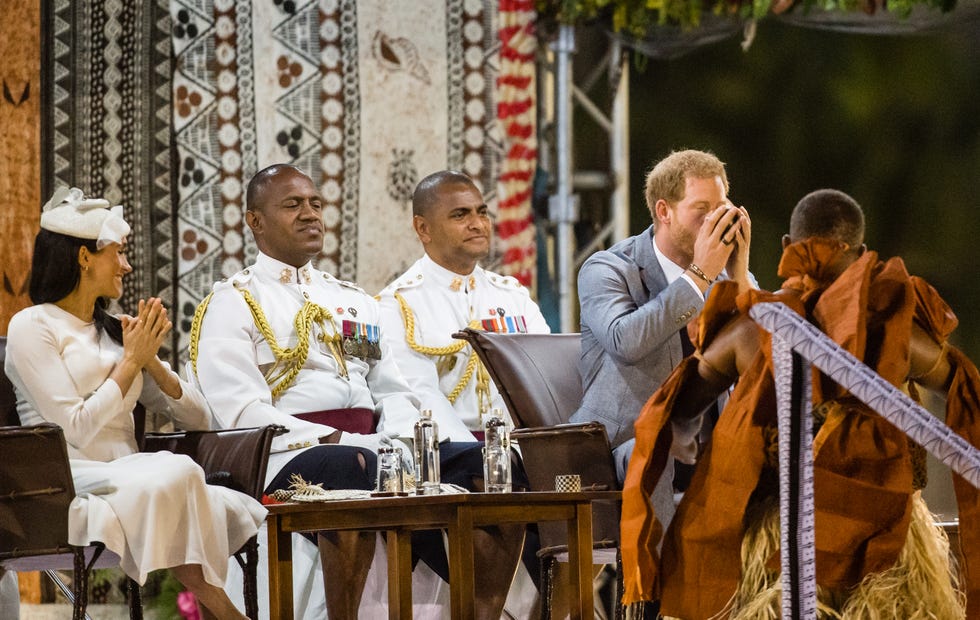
[
  {"x": 494, "y": 420},
  {"x": 426, "y": 414}
]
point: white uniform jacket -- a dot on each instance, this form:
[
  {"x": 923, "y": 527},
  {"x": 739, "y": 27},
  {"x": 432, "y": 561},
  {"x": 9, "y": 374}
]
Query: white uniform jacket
[
  {"x": 442, "y": 302},
  {"x": 233, "y": 355}
]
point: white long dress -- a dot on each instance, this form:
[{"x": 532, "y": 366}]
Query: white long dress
[{"x": 153, "y": 510}]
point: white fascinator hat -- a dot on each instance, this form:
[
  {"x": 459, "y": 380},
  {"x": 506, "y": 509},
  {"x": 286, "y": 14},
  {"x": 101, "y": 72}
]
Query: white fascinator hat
[{"x": 70, "y": 213}]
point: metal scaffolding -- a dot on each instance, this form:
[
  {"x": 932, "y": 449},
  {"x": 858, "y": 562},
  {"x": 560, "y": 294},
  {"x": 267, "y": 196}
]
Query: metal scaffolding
[{"x": 562, "y": 93}]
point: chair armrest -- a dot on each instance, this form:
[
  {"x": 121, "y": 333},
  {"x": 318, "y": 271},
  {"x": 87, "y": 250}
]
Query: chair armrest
[
  {"x": 582, "y": 449},
  {"x": 236, "y": 458}
]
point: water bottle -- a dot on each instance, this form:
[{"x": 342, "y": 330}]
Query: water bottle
[
  {"x": 496, "y": 454},
  {"x": 426, "y": 455}
]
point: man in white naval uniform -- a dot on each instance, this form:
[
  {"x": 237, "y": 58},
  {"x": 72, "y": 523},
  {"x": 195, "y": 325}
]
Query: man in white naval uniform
[
  {"x": 283, "y": 343},
  {"x": 443, "y": 292}
]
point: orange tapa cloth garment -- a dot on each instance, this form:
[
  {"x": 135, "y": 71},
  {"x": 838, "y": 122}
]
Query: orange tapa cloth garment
[{"x": 862, "y": 464}]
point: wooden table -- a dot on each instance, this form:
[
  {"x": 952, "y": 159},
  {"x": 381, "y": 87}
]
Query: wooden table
[{"x": 459, "y": 513}]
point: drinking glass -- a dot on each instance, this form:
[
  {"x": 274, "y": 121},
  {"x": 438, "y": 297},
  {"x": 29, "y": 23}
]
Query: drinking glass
[
  {"x": 496, "y": 469},
  {"x": 390, "y": 470}
]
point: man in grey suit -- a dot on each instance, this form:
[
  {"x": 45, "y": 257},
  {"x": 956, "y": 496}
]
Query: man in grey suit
[{"x": 638, "y": 296}]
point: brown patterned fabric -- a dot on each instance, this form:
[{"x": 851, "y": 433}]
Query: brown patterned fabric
[
  {"x": 862, "y": 464},
  {"x": 20, "y": 166}
]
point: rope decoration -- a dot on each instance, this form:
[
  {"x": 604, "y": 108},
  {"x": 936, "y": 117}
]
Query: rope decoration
[
  {"x": 195, "y": 334},
  {"x": 473, "y": 364},
  {"x": 288, "y": 361}
]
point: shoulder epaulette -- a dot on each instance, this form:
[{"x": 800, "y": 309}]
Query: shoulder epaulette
[
  {"x": 504, "y": 282},
  {"x": 345, "y": 283},
  {"x": 407, "y": 280},
  {"x": 240, "y": 279}
]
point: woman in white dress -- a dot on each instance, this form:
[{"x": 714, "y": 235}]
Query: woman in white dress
[{"x": 74, "y": 364}]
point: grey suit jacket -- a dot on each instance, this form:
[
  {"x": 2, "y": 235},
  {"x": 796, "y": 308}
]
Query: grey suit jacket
[{"x": 631, "y": 320}]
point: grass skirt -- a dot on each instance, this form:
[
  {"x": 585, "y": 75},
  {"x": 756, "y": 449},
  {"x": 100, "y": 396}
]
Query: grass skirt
[{"x": 921, "y": 585}]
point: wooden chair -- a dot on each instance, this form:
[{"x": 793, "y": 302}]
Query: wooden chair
[
  {"x": 538, "y": 379},
  {"x": 36, "y": 489}
]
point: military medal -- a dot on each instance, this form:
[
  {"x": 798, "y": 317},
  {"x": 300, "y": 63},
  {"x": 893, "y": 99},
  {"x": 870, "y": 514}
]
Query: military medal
[
  {"x": 348, "y": 337},
  {"x": 492, "y": 325},
  {"x": 374, "y": 338},
  {"x": 361, "y": 340}
]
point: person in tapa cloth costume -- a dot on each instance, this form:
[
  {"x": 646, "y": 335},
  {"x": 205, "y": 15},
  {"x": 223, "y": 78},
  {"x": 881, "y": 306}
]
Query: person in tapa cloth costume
[
  {"x": 877, "y": 553},
  {"x": 74, "y": 364}
]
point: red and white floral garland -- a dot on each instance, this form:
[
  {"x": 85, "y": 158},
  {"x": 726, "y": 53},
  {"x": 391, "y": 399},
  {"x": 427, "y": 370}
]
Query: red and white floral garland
[{"x": 516, "y": 112}]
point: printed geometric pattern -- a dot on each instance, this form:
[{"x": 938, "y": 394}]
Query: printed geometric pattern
[
  {"x": 353, "y": 92},
  {"x": 364, "y": 95},
  {"x": 107, "y": 129}
]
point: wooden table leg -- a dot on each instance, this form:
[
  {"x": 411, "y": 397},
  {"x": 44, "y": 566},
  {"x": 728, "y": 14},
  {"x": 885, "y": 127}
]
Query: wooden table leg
[
  {"x": 580, "y": 562},
  {"x": 399, "y": 574},
  {"x": 280, "y": 570},
  {"x": 461, "y": 564}
]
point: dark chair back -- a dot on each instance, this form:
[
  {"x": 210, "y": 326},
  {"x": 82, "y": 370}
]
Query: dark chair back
[
  {"x": 536, "y": 374},
  {"x": 235, "y": 458}
]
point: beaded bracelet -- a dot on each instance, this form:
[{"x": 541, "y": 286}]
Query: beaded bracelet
[{"x": 699, "y": 273}]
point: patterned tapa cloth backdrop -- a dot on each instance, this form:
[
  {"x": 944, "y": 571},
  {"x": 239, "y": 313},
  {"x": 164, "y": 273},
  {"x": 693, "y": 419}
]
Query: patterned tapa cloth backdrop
[
  {"x": 367, "y": 97},
  {"x": 106, "y": 123},
  {"x": 169, "y": 106}
]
